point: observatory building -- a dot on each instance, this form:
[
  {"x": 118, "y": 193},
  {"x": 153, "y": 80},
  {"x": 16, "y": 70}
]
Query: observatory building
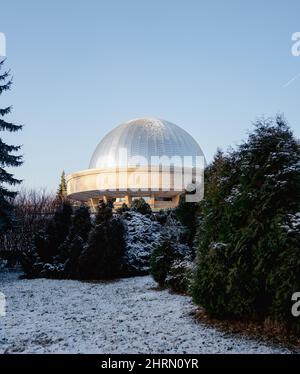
[{"x": 146, "y": 157}]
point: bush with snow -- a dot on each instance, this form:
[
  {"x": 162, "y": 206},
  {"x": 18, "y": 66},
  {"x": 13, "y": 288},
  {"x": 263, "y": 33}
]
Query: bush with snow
[
  {"x": 46, "y": 243},
  {"x": 142, "y": 236},
  {"x": 187, "y": 214},
  {"x": 71, "y": 247},
  {"x": 171, "y": 261},
  {"x": 179, "y": 277},
  {"x": 112, "y": 245},
  {"x": 171, "y": 266},
  {"x": 248, "y": 242}
]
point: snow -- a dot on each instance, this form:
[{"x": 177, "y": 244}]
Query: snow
[
  {"x": 124, "y": 316},
  {"x": 217, "y": 245},
  {"x": 292, "y": 225},
  {"x": 234, "y": 195}
]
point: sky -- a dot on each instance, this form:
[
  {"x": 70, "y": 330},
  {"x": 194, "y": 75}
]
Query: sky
[{"x": 80, "y": 68}]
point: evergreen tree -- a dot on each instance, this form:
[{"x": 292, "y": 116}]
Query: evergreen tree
[
  {"x": 187, "y": 215},
  {"x": 81, "y": 223},
  {"x": 78, "y": 234},
  {"x": 104, "y": 212},
  {"x": 101, "y": 257},
  {"x": 7, "y": 159},
  {"x": 48, "y": 242},
  {"x": 141, "y": 206},
  {"x": 75, "y": 247},
  {"x": 62, "y": 188},
  {"x": 249, "y": 238},
  {"x": 124, "y": 208}
]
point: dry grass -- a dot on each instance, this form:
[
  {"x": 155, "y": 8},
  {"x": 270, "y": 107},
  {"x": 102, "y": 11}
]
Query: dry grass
[{"x": 267, "y": 331}]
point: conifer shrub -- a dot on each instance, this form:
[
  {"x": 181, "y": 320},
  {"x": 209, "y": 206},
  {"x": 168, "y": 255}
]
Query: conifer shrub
[
  {"x": 170, "y": 262},
  {"x": 71, "y": 248},
  {"x": 103, "y": 252},
  {"x": 124, "y": 208},
  {"x": 47, "y": 242},
  {"x": 29, "y": 261},
  {"x": 104, "y": 211},
  {"x": 101, "y": 256},
  {"x": 74, "y": 248},
  {"x": 180, "y": 275},
  {"x": 187, "y": 214},
  {"x": 142, "y": 236},
  {"x": 81, "y": 223},
  {"x": 170, "y": 266},
  {"x": 248, "y": 238},
  {"x": 141, "y": 206},
  {"x": 162, "y": 216},
  {"x": 161, "y": 261}
]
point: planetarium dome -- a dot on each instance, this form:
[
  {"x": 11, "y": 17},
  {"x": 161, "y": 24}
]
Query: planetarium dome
[
  {"x": 145, "y": 157},
  {"x": 145, "y": 141}
]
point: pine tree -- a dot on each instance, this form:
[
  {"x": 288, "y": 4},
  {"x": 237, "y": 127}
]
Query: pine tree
[
  {"x": 7, "y": 159},
  {"x": 62, "y": 188}
]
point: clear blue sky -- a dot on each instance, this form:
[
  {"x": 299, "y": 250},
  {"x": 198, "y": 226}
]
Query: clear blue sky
[{"x": 82, "y": 67}]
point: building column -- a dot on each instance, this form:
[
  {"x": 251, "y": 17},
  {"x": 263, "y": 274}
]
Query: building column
[
  {"x": 128, "y": 200},
  {"x": 176, "y": 199},
  {"x": 152, "y": 201}
]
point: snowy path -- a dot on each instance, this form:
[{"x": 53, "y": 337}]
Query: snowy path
[{"x": 126, "y": 316}]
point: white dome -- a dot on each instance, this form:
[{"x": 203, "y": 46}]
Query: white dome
[{"x": 145, "y": 139}]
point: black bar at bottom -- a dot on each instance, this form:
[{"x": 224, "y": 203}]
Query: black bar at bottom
[{"x": 133, "y": 363}]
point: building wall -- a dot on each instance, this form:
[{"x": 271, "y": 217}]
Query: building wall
[{"x": 92, "y": 184}]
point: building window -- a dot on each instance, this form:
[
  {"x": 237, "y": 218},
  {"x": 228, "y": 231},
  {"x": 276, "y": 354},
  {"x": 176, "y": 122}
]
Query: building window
[
  {"x": 160, "y": 198},
  {"x": 120, "y": 200}
]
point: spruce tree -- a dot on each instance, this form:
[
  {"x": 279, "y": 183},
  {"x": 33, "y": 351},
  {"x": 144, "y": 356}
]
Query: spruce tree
[
  {"x": 62, "y": 188},
  {"x": 7, "y": 159}
]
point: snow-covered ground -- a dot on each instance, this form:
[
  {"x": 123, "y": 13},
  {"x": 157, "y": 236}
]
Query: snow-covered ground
[{"x": 126, "y": 316}]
